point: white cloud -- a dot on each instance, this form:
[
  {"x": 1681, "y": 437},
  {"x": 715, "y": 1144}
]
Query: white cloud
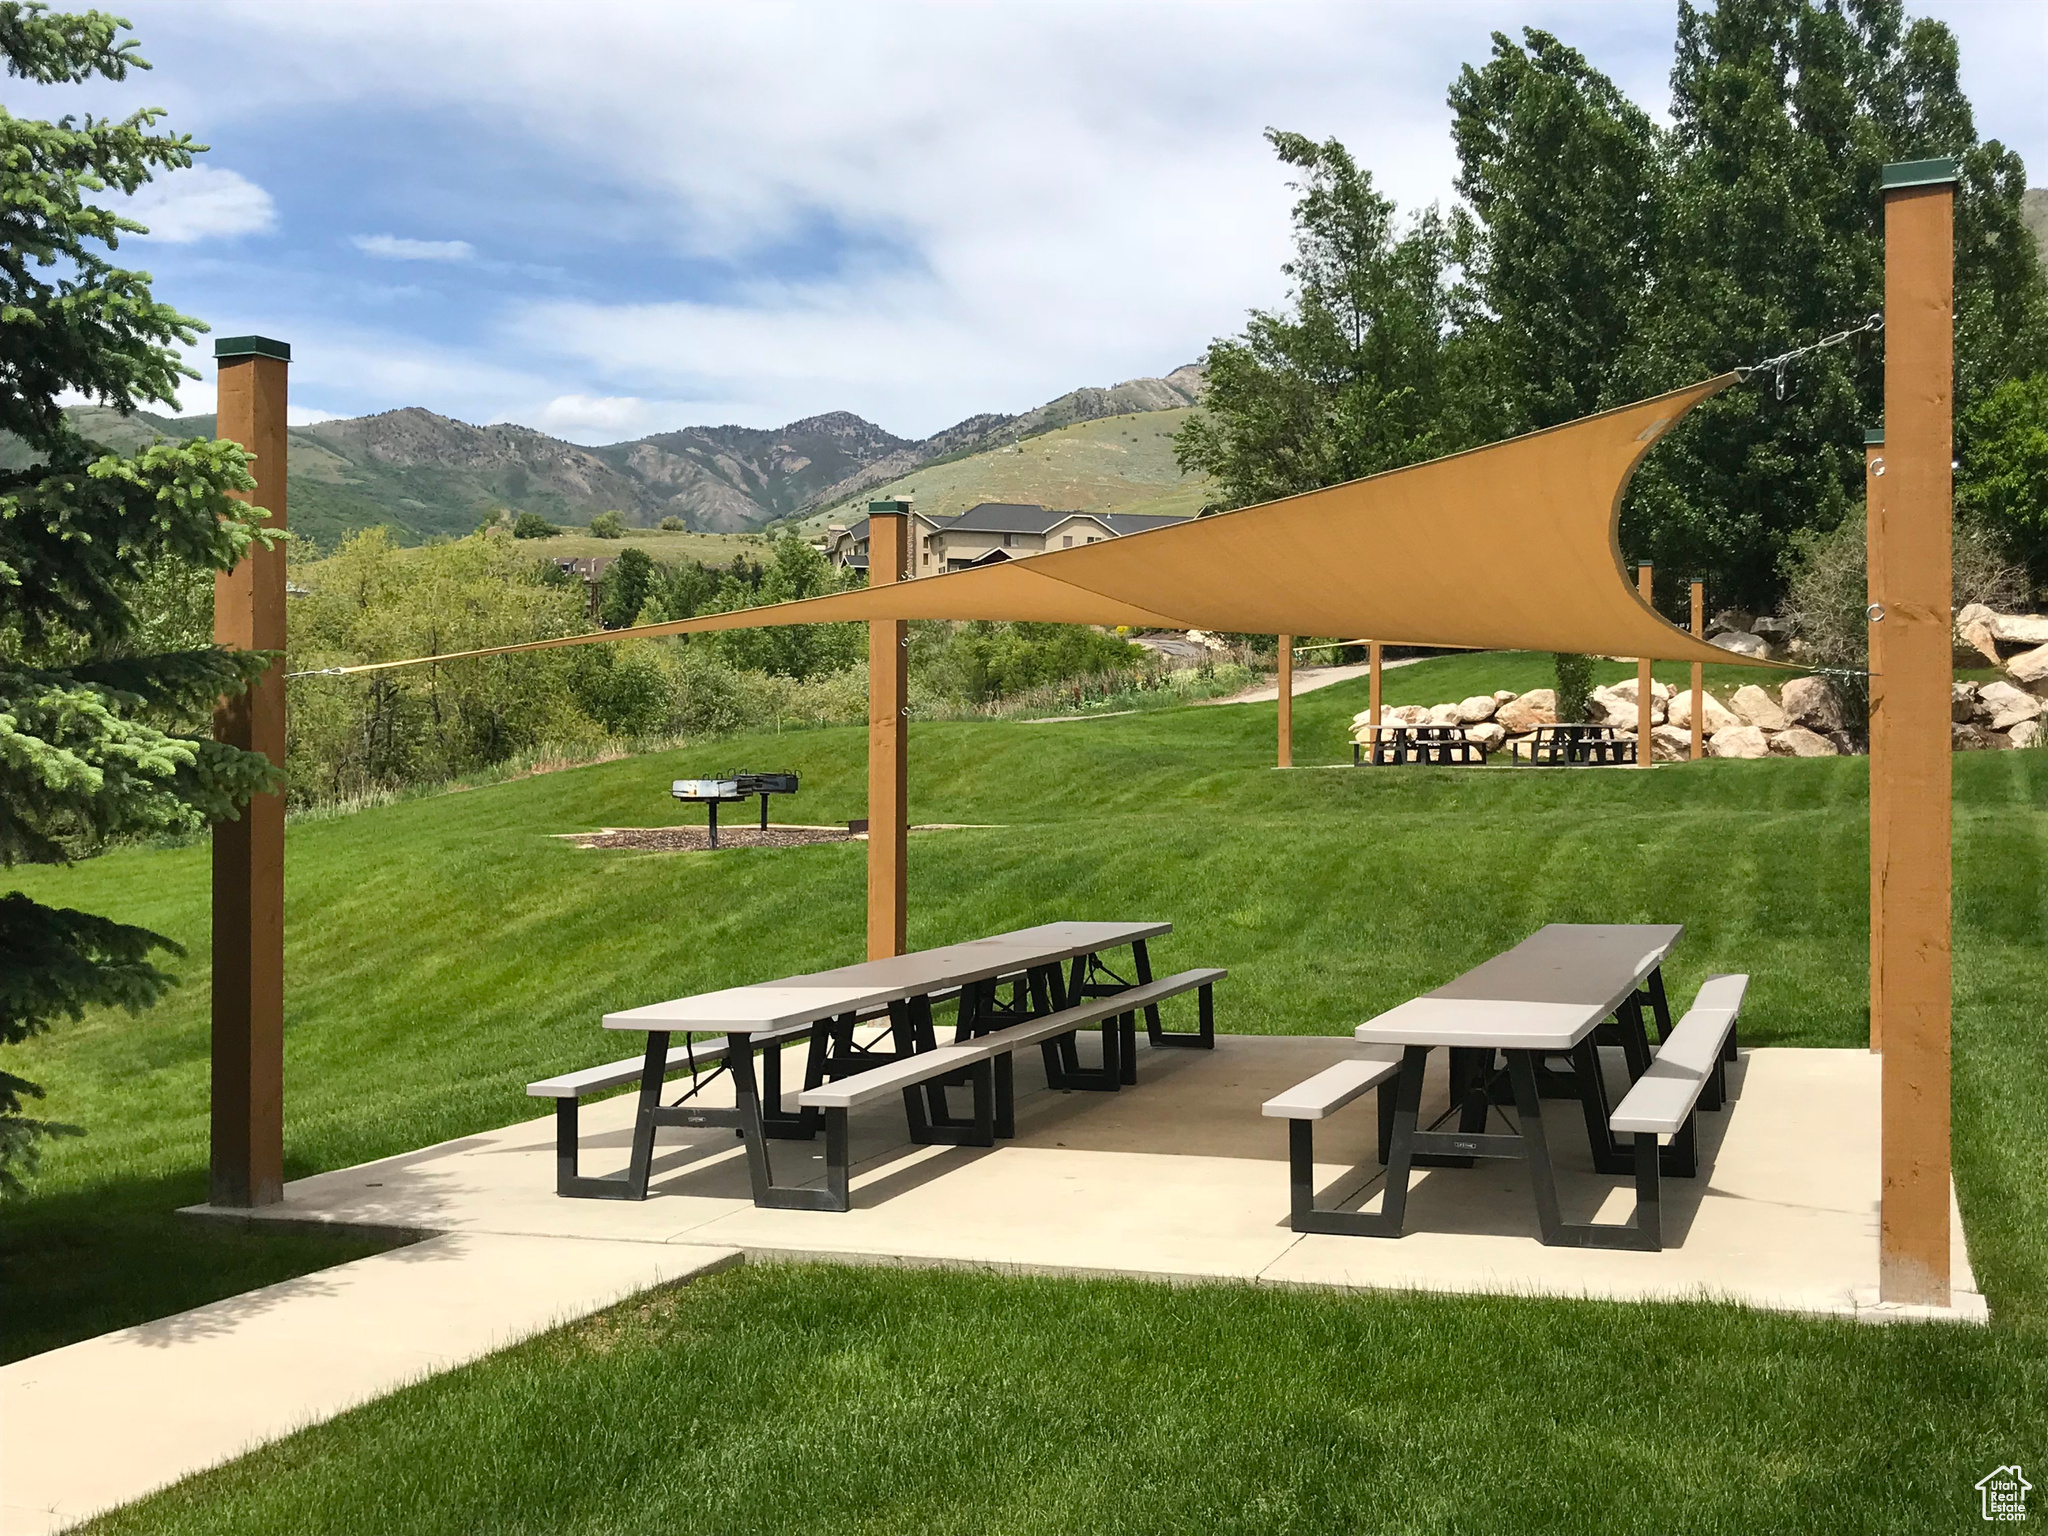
[
  {"x": 202, "y": 203},
  {"x": 398, "y": 248},
  {"x": 1058, "y": 195},
  {"x": 607, "y": 418}
]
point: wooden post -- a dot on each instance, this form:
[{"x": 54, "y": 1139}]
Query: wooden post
[
  {"x": 1699, "y": 673},
  {"x": 1909, "y": 764},
  {"x": 1644, "y": 755},
  {"x": 248, "y": 854},
  {"x": 1372, "y": 696},
  {"x": 1873, "y": 517},
  {"x": 1287, "y": 701},
  {"x": 888, "y": 739}
]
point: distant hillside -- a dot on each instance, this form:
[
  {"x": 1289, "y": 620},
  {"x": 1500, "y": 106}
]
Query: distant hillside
[
  {"x": 428, "y": 476},
  {"x": 1118, "y": 463}
]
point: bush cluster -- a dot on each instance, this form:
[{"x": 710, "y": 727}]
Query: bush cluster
[{"x": 353, "y": 738}]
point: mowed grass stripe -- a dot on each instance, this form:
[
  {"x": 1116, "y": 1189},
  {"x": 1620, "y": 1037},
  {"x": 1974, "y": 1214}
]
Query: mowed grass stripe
[{"x": 775, "y": 1398}]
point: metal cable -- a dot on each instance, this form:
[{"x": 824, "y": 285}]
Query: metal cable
[{"x": 1779, "y": 365}]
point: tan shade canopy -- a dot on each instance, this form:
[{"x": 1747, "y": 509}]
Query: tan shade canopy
[{"x": 1509, "y": 547}]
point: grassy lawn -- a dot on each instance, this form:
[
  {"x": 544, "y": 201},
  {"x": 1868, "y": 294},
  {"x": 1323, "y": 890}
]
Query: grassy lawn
[
  {"x": 782, "y": 1398},
  {"x": 443, "y": 952}
]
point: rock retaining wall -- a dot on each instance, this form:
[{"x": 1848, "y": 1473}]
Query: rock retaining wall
[{"x": 1804, "y": 719}]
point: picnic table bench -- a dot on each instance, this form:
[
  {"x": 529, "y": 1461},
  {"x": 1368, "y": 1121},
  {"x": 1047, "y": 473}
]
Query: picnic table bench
[
  {"x": 1544, "y": 1007},
  {"x": 1055, "y": 969},
  {"x": 1559, "y": 745},
  {"x": 1417, "y": 744}
]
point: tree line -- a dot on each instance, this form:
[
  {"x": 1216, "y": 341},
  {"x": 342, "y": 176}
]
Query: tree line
[{"x": 1598, "y": 257}]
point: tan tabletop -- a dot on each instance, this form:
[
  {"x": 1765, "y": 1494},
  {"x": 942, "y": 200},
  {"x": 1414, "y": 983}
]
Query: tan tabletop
[
  {"x": 1547, "y": 993},
  {"x": 873, "y": 983}
]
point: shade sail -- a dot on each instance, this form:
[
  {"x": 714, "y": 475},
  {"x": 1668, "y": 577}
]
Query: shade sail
[{"x": 1508, "y": 547}]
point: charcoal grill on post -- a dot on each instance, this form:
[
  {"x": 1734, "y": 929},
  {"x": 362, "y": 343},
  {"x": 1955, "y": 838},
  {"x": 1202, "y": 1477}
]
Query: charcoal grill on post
[{"x": 712, "y": 793}]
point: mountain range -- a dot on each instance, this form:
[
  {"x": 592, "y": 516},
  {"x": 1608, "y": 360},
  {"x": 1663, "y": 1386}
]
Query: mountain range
[{"x": 427, "y": 476}]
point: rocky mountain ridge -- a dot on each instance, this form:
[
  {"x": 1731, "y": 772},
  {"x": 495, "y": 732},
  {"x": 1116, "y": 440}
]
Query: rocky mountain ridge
[{"x": 427, "y": 475}]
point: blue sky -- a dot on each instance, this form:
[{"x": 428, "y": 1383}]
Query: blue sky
[{"x": 605, "y": 220}]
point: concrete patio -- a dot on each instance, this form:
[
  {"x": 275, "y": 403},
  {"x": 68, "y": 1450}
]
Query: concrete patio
[{"x": 1181, "y": 1178}]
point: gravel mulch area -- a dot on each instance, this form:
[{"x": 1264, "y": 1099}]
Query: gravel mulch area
[{"x": 699, "y": 838}]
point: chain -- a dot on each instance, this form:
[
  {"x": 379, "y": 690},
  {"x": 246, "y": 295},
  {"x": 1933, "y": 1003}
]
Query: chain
[{"x": 1778, "y": 366}]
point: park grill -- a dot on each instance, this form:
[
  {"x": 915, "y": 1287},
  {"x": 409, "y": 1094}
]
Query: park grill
[{"x": 712, "y": 793}]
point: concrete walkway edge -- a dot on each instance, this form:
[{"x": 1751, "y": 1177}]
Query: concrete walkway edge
[{"x": 102, "y": 1422}]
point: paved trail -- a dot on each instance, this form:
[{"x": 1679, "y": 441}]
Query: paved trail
[{"x": 1309, "y": 679}]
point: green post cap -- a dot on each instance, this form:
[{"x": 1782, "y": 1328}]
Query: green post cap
[
  {"x": 251, "y": 346},
  {"x": 899, "y": 508},
  {"x": 1873, "y": 437},
  {"x": 1918, "y": 173}
]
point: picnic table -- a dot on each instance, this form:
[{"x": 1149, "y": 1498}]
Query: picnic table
[
  {"x": 1417, "y": 744},
  {"x": 1047, "y": 970},
  {"x": 1543, "y": 1007},
  {"x": 1581, "y": 743}
]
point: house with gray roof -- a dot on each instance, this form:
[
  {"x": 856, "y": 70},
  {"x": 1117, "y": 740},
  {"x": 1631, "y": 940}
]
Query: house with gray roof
[{"x": 991, "y": 533}]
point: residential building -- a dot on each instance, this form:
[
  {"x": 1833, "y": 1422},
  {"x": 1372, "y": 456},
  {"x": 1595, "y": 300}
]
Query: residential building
[
  {"x": 991, "y": 533},
  {"x": 846, "y": 545}
]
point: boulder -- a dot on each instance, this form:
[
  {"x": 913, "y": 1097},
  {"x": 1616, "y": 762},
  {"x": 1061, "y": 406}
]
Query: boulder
[
  {"x": 1798, "y": 741},
  {"x": 1811, "y": 702},
  {"x": 1487, "y": 734},
  {"x": 1444, "y": 714},
  {"x": 1503, "y": 695},
  {"x": 1730, "y": 619},
  {"x": 1777, "y": 631},
  {"x": 1974, "y": 738},
  {"x": 1739, "y": 741},
  {"x": 2030, "y": 669},
  {"x": 2030, "y": 708},
  {"x": 2018, "y": 628},
  {"x": 1976, "y": 633},
  {"x": 2027, "y": 733},
  {"x": 1611, "y": 706},
  {"x": 1997, "y": 696},
  {"x": 1669, "y": 744},
  {"x": 1713, "y": 715},
  {"x": 1962, "y": 702},
  {"x": 1626, "y": 690},
  {"x": 1363, "y": 717},
  {"x": 1743, "y": 644},
  {"x": 1478, "y": 708},
  {"x": 1752, "y": 706},
  {"x": 1405, "y": 714},
  {"x": 1527, "y": 711}
]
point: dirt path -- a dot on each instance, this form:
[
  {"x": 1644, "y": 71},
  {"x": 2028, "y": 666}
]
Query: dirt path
[{"x": 1309, "y": 679}]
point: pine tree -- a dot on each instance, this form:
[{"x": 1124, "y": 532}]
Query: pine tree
[{"x": 101, "y": 738}]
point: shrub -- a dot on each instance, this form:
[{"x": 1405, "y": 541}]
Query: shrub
[
  {"x": 608, "y": 525},
  {"x": 1827, "y": 596},
  {"x": 531, "y": 525},
  {"x": 673, "y": 525},
  {"x": 1574, "y": 686}
]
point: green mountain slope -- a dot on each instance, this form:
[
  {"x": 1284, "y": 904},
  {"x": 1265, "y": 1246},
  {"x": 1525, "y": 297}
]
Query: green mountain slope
[{"x": 1115, "y": 464}]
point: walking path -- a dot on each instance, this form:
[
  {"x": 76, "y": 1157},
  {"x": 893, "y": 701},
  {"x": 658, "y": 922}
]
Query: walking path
[
  {"x": 1308, "y": 680},
  {"x": 108, "y": 1420}
]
